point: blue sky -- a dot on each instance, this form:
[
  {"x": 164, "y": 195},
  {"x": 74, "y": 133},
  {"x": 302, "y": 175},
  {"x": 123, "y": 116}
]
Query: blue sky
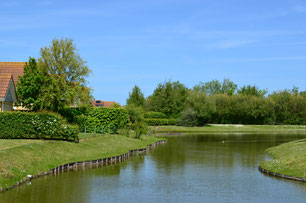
[{"x": 145, "y": 42}]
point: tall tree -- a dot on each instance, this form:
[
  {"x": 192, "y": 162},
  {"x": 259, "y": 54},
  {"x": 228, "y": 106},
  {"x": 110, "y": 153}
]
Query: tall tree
[
  {"x": 67, "y": 71},
  {"x": 209, "y": 88},
  {"x": 228, "y": 87},
  {"x": 252, "y": 91},
  {"x": 168, "y": 98},
  {"x": 136, "y": 98},
  {"x": 30, "y": 86}
]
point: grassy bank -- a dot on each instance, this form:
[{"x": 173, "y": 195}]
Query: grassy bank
[
  {"x": 288, "y": 159},
  {"x": 19, "y": 158},
  {"x": 232, "y": 128}
]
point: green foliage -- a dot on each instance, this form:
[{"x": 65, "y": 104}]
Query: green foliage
[
  {"x": 136, "y": 98},
  {"x": 242, "y": 109},
  {"x": 188, "y": 118},
  {"x": 215, "y": 87},
  {"x": 212, "y": 87},
  {"x": 66, "y": 73},
  {"x": 228, "y": 87},
  {"x": 20, "y": 125},
  {"x": 160, "y": 121},
  {"x": 202, "y": 105},
  {"x": 138, "y": 124},
  {"x": 154, "y": 114},
  {"x": 252, "y": 91},
  {"x": 111, "y": 119},
  {"x": 168, "y": 98},
  {"x": 30, "y": 85},
  {"x": 290, "y": 107}
]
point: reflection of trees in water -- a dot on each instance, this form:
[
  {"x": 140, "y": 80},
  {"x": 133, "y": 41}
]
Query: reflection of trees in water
[{"x": 216, "y": 150}]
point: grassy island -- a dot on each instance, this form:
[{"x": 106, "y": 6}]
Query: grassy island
[
  {"x": 288, "y": 159},
  {"x": 19, "y": 158}
]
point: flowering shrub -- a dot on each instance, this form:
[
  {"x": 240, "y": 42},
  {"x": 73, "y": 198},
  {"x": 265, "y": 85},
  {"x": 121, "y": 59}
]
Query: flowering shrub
[{"x": 14, "y": 125}]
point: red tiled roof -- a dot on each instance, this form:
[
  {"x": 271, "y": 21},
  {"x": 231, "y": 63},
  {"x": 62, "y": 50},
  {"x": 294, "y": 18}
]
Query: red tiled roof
[
  {"x": 4, "y": 84},
  {"x": 12, "y": 68},
  {"x": 100, "y": 103}
]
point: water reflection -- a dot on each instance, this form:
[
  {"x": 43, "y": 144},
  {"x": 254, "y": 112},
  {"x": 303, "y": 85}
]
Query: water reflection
[{"x": 197, "y": 168}]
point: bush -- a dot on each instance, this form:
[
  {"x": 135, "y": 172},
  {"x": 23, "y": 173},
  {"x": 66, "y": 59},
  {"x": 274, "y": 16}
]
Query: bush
[
  {"x": 107, "y": 119},
  {"x": 188, "y": 118},
  {"x": 160, "y": 121},
  {"x": 19, "y": 125},
  {"x": 154, "y": 114}
]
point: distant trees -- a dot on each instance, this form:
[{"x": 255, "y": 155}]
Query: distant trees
[
  {"x": 215, "y": 87},
  {"x": 58, "y": 78},
  {"x": 136, "y": 98},
  {"x": 225, "y": 103},
  {"x": 252, "y": 91},
  {"x": 168, "y": 98}
]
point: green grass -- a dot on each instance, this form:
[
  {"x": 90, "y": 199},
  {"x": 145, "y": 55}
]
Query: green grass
[
  {"x": 231, "y": 128},
  {"x": 288, "y": 159},
  {"x": 19, "y": 158}
]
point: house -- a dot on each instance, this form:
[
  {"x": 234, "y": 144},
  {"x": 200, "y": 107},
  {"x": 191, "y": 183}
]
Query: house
[
  {"x": 100, "y": 103},
  {"x": 12, "y": 68},
  {"x": 7, "y": 92}
]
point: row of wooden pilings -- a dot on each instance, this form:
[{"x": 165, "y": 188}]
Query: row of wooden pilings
[
  {"x": 81, "y": 164},
  {"x": 265, "y": 171}
]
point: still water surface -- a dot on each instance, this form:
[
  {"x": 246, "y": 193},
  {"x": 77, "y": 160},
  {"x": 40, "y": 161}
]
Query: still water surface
[{"x": 189, "y": 168}]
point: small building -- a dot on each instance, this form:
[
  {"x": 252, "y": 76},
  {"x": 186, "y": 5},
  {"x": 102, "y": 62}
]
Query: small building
[
  {"x": 100, "y": 103},
  {"x": 7, "y": 92}
]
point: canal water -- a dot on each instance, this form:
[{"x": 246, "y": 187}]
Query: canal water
[{"x": 189, "y": 168}]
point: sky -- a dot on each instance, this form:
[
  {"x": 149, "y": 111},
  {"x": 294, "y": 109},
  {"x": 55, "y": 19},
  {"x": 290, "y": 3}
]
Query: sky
[{"x": 146, "y": 42}]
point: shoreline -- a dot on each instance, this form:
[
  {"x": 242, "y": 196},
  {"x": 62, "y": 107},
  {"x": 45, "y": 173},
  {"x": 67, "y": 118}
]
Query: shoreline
[
  {"x": 96, "y": 162},
  {"x": 265, "y": 171}
]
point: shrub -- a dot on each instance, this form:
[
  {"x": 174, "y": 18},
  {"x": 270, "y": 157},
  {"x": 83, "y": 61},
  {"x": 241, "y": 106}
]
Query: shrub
[
  {"x": 20, "y": 125},
  {"x": 138, "y": 124},
  {"x": 188, "y": 118},
  {"x": 154, "y": 114},
  {"x": 160, "y": 121},
  {"x": 106, "y": 119}
]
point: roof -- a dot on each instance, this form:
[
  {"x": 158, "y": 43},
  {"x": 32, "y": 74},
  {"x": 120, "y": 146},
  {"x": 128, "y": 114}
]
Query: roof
[
  {"x": 100, "y": 103},
  {"x": 4, "y": 84},
  {"x": 12, "y": 68}
]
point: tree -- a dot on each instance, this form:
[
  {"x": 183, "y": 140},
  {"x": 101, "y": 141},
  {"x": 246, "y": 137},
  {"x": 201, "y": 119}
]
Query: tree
[
  {"x": 67, "y": 72},
  {"x": 252, "y": 91},
  {"x": 203, "y": 107},
  {"x": 212, "y": 87},
  {"x": 30, "y": 86},
  {"x": 228, "y": 87},
  {"x": 168, "y": 98},
  {"x": 136, "y": 97}
]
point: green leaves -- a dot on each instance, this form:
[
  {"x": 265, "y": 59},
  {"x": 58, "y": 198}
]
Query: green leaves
[
  {"x": 94, "y": 118},
  {"x": 36, "y": 126},
  {"x": 136, "y": 98}
]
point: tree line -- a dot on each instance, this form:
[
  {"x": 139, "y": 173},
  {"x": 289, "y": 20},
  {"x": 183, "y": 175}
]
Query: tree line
[{"x": 223, "y": 102}]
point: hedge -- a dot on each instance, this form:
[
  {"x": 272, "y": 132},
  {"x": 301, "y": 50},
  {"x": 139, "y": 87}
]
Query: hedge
[
  {"x": 97, "y": 119},
  {"x": 22, "y": 125},
  {"x": 154, "y": 114},
  {"x": 161, "y": 121}
]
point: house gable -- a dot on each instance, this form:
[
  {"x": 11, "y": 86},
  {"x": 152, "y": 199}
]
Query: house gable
[
  {"x": 7, "y": 89},
  {"x": 11, "y": 92}
]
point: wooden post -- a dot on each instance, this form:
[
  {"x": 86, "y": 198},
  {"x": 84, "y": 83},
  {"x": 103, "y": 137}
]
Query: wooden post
[{"x": 95, "y": 130}]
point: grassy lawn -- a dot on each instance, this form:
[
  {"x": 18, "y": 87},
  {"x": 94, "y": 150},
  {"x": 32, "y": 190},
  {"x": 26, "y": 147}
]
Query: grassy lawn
[
  {"x": 231, "y": 128},
  {"x": 289, "y": 159},
  {"x": 19, "y": 158}
]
